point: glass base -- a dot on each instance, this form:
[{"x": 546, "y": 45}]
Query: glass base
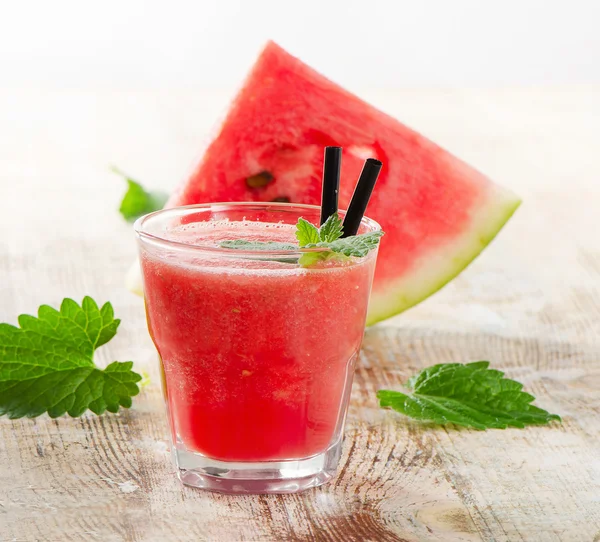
[{"x": 289, "y": 476}]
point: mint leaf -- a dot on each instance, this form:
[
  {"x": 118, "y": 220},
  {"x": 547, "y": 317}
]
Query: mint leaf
[
  {"x": 306, "y": 233},
  {"x": 308, "y": 259},
  {"x": 241, "y": 244},
  {"x": 356, "y": 245},
  {"x": 46, "y": 364},
  {"x": 470, "y": 395},
  {"x": 137, "y": 201},
  {"x": 309, "y": 236},
  {"x": 331, "y": 229}
]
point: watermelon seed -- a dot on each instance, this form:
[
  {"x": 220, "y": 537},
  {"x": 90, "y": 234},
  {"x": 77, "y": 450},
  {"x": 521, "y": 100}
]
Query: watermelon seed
[
  {"x": 281, "y": 199},
  {"x": 260, "y": 179}
]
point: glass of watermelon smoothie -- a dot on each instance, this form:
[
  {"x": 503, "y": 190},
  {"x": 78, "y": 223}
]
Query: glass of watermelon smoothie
[{"x": 257, "y": 352}]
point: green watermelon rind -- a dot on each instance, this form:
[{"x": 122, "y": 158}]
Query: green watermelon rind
[{"x": 445, "y": 264}]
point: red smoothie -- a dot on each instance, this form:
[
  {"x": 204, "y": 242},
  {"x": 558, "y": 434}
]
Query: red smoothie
[{"x": 258, "y": 356}]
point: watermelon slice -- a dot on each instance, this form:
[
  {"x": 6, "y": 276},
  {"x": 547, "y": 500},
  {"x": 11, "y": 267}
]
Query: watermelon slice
[{"x": 438, "y": 213}]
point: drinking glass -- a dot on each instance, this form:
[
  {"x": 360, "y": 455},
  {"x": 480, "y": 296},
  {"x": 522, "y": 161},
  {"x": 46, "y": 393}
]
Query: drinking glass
[{"x": 257, "y": 349}]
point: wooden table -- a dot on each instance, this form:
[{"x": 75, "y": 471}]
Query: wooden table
[{"x": 530, "y": 304}]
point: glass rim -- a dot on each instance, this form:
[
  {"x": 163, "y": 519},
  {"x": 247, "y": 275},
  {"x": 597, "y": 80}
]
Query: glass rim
[{"x": 142, "y": 233}]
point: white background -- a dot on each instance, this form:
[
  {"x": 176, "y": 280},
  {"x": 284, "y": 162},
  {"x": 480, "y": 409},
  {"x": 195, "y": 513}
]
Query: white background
[{"x": 393, "y": 43}]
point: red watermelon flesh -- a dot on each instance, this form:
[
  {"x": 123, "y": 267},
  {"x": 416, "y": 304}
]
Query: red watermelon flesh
[{"x": 438, "y": 213}]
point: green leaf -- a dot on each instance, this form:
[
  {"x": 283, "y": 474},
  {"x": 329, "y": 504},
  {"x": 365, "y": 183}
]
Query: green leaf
[
  {"x": 306, "y": 233},
  {"x": 357, "y": 245},
  {"x": 46, "y": 364},
  {"x": 470, "y": 395},
  {"x": 309, "y": 259},
  {"x": 241, "y": 244},
  {"x": 331, "y": 229},
  {"x": 137, "y": 201},
  {"x": 328, "y": 236}
]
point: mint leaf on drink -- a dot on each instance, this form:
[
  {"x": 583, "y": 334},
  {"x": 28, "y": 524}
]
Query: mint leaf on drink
[
  {"x": 357, "y": 245},
  {"x": 306, "y": 233},
  {"x": 137, "y": 201},
  {"x": 241, "y": 244},
  {"x": 330, "y": 234},
  {"x": 331, "y": 229},
  {"x": 470, "y": 395},
  {"x": 308, "y": 259},
  {"x": 309, "y": 236},
  {"x": 46, "y": 364}
]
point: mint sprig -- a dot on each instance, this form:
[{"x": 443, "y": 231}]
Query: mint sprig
[
  {"x": 331, "y": 229},
  {"x": 137, "y": 201},
  {"x": 330, "y": 236},
  {"x": 470, "y": 395},
  {"x": 242, "y": 244},
  {"x": 358, "y": 245},
  {"x": 309, "y": 236},
  {"x": 46, "y": 364},
  {"x": 306, "y": 233}
]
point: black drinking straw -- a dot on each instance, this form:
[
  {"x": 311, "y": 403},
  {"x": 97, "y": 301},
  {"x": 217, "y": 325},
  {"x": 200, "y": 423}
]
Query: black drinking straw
[
  {"x": 331, "y": 182},
  {"x": 361, "y": 196}
]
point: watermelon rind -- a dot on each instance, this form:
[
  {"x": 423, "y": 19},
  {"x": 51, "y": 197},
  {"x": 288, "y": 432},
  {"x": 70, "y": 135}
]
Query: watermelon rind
[{"x": 436, "y": 269}]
